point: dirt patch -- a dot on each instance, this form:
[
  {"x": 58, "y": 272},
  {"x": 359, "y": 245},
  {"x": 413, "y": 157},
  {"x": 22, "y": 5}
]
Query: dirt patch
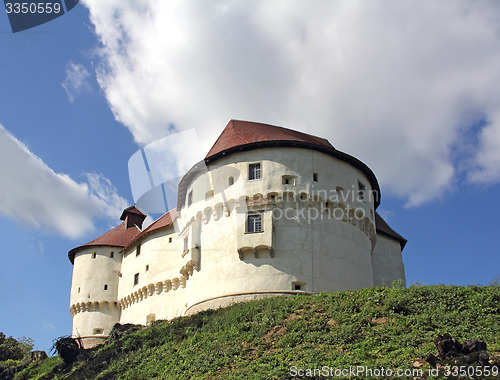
[
  {"x": 278, "y": 330},
  {"x": 332, "y": 322},
  {"x": 380, "y": 321}
]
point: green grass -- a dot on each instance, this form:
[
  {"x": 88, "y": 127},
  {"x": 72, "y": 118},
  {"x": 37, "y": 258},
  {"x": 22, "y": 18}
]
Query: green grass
[{"x": 375, "y": 327}]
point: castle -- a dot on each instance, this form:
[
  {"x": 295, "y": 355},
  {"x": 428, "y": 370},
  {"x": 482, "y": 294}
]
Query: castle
[{"x": 269, "y": 211}]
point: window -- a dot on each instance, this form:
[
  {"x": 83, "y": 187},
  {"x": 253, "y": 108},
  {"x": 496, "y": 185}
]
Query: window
[
  {"x": 170, "y": 240},
  {"x": 147, "y": 267},
  {"x": 288, "y": 180},
  {"x": 254, "y": 223},
  {"x": 361, "y": 191},
  {"x": 138, "y": 250},
  {"x": 254, "y": 171},
  {"x": 190, "y": 198},
  {"x": 299, "y": 285},
  {"x": 136, "y": 278},
  {"x": 94, "y": 255},
  {"x": 230, "y": 181},
  {"x": 98, "y": 331},
  {"x": 185, "y": 244},
  {"x": 78, "y": 290},
  {"x": 315, "y": 177},
  {"x": 105, "y": 286},
  {"x": 111, "y": 254}
]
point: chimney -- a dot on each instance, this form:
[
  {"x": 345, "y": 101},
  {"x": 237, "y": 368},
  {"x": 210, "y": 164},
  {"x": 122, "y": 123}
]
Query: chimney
[{"x": 133, "y": 217}]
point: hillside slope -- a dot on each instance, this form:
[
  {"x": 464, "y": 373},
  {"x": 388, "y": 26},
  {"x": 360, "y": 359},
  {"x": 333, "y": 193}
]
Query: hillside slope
[{"x": 380, "y": 328}]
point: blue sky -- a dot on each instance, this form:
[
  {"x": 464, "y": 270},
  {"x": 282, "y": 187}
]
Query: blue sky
[{"x": 412, "y": 90}]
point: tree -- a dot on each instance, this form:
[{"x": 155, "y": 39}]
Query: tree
[{"x": 10, "y": 348}]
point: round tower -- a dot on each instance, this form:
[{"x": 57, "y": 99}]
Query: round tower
[{"x": 96, "y": 277}]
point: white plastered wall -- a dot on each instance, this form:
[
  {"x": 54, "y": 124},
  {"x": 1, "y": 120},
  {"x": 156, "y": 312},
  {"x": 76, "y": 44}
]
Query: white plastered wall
[{"x": 387, "y": 262}]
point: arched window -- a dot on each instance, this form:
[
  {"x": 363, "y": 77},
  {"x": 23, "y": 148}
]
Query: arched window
[
  {"x": 230, "y": 181},
  {"x": 105, "y": 286}
]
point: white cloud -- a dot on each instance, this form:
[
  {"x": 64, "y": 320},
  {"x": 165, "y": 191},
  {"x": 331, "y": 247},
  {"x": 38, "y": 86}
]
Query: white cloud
[
  {"x": 48, "y": 326},
  {"x": 394, "y": 83},
  {"x": 35, "y": 195},
  {"x": 76, "y": 81}
]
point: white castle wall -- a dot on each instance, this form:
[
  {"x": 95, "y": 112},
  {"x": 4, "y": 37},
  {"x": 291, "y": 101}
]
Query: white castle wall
[
  {"x": 224, "y": 264},
  {"x": 93, "y": 308},
  {"x": 387, "y": 262}
]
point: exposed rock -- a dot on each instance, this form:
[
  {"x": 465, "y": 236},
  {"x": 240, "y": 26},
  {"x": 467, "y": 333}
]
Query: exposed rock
[
  {"x": 119, "y": 331},
  {"x": 451, "y": 351},
  {"x": 473, "y": 345},
  {"x": 68, "y": 349},
  {"x": 34, "y": 356}
]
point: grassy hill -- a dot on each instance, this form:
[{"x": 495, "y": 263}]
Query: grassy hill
[{"x": 389, "y": 328}]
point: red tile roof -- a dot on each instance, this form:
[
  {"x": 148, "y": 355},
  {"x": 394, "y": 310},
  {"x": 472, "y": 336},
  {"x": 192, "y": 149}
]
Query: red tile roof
[
  {"x": 164, "y": 221},
  {"x": 240, "y": 133},
  {"x": 384, "y": 229},
  {"x": 245, "y": 135},
  {"x": 117, "y": 237}
]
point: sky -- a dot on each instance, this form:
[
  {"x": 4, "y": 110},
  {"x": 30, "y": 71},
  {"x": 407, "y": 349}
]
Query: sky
[{"x": 410, "y": 88}]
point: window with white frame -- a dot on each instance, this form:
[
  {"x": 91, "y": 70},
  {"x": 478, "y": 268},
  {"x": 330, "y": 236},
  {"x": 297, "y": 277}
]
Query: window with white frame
[
  {"x": 254, "y": 171},
  {"x": 254, "y": 222}
]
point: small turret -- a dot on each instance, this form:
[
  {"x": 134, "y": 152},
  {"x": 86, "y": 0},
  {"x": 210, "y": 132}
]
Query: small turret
[{"x": 133, "y": 217}]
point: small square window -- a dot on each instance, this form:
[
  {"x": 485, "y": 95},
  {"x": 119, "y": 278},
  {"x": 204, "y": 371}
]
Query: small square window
[
  {"x": 136, "y": 278},
  {"x": 298, "y": 286},
  {"x": 111, "y": 254},
  {"x": 288, "y": 180},
  {"x": 190, "y": 198},
  {"x": 254, "y": 171},
  {"x": 138, "y": 250},
  {"x": 361, "y": 191},
  {"x": 94, "y": 255},
  {"x": 98, "y": 331},
  {"x": 254, "y": 223}
]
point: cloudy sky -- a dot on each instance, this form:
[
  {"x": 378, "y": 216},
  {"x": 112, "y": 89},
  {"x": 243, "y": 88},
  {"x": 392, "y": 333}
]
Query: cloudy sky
[{"x": 411, "y": 88}]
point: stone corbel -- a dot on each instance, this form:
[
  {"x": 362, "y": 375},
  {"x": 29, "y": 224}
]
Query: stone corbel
[
  {"x": 175, "y": 283},
  {"x": 167, "y": 285},
  {"x": 189, "y": 267},
  {"x": 158, "y": 287}
]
